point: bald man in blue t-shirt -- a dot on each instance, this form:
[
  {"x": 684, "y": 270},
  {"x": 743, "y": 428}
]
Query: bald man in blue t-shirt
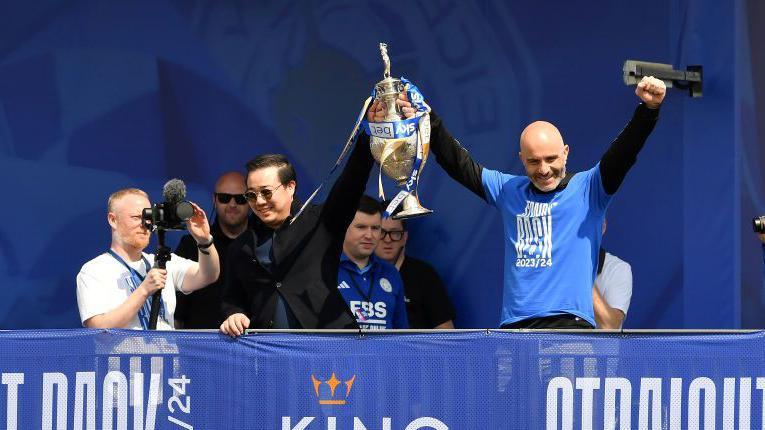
[{"x": 552, "y": 218}]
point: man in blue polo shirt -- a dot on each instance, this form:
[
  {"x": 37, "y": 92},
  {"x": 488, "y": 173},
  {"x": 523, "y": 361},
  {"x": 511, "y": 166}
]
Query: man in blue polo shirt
[
  {"x": 371, "y": 286},
  {"x": 552, "y": 218}
]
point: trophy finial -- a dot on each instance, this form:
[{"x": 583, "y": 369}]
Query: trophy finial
[{"x": 386, "y": 59}]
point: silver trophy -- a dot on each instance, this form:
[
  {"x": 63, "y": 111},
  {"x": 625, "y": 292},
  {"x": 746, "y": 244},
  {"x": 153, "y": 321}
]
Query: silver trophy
[{"x": 397, "y": 156}]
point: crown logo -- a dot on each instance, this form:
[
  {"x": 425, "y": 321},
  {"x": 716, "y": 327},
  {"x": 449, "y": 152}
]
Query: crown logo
[{"x": 333, "y": 383}]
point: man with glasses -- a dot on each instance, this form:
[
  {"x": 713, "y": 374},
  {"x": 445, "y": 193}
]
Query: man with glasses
[
  {"x": 283, "y": 272},
  {"x": 114, "y": 290},
  {"x": 371, "y": 286},
  {"x": 427, "y": 304},
  {"x": 201, "y": 309}
]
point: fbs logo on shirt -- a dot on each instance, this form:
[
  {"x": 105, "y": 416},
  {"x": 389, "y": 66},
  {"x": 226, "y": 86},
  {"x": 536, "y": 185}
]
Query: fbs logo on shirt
[{"x": 369, "y": 309}]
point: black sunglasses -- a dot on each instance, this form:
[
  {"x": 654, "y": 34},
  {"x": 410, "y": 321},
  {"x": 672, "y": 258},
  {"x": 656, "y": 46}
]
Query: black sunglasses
[{"x": 224, "y": 198}]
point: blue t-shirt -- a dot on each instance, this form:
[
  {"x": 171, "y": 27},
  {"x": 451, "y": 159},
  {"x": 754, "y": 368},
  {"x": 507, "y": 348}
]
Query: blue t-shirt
[
  {"x": 551, "y": 243},
  {"x": 375, "y": 293}
]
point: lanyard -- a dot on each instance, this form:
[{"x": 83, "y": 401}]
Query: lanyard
[
  {"x": 145, "y": 311},
  {"x": 133, "y": 273}
]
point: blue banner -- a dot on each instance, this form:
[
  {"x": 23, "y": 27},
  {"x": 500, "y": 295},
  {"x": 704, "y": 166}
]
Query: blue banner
[{"x": 119, "y": 379}]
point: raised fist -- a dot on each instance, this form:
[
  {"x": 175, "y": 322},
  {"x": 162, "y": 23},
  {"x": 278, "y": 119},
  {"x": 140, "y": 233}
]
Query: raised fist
[{"x": 651, "y": 91}]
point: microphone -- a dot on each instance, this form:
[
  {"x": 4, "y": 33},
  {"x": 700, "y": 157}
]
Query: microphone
[{"x": 174, "y": 193}]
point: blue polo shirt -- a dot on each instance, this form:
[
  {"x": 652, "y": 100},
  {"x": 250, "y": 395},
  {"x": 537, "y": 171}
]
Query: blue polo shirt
[
  {"x": 375, "y": 293},
  {"x": 551, "y": 243}
]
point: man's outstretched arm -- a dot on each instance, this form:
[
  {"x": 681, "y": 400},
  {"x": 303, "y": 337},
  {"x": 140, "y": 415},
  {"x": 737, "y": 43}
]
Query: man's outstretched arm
[
  {"x": 622, "y": 153},
  {"x": 343, "y": 199},
  {"x": 450, "y": 155},
  {"x": 454, "y": 158}
]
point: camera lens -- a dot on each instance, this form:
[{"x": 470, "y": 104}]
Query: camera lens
[{"x": 184, "y": 210}]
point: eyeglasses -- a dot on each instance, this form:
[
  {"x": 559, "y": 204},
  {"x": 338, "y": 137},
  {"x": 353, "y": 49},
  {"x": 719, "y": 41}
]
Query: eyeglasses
[
  {"x": 224, "y": 198},
  {"x": 395, "y": 235},
  {"x": 266, "y": 193}
]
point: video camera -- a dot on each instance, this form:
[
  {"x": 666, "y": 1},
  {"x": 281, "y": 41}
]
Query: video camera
[
  {"x": 168, "y": 215},
  {"x": 171, "y": 214}
]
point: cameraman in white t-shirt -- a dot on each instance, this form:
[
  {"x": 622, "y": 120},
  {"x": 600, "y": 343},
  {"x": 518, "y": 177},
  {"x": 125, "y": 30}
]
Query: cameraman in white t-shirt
[
  {"x": 612, "y": 292},
  {"x": 114, "y": 290}
]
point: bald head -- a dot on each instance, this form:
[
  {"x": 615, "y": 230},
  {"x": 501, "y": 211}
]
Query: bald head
[
  {"x": 227, "y": 178},
  {"x": 541, "y": 135},
  {"x": 544, "y": 155}
]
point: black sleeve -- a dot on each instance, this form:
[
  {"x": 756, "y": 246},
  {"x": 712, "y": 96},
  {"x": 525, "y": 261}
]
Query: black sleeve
[
  {"x": 454, "y": 158},
  {"x": 187, "y": 248},
  {"x": 438, "y": 306},
  {"x": 234, "y": 300},
  {"x": 622, "y": 153},
  {"x": 343, "y": 200}
]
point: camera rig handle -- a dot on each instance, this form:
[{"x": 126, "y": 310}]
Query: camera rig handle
[{"x": 161, "y": 257}]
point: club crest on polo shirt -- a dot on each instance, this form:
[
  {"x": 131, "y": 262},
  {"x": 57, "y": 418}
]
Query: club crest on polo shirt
[
  {"x": 385, "y": 285},
  {"x": 534, "y": 242}
]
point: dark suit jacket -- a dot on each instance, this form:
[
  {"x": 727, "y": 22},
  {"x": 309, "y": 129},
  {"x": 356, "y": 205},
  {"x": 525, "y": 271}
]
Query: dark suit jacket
[{"x": 306, "y": 255}]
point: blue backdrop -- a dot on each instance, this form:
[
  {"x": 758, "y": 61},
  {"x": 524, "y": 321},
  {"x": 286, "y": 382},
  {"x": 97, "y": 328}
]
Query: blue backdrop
[{"x": 96, "y": 96}]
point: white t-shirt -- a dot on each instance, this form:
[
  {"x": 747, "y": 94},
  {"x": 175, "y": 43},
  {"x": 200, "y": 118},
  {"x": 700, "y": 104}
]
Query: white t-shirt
[
  {"x": 615, "y": 283},
  {"x": 105, "y": 283}
]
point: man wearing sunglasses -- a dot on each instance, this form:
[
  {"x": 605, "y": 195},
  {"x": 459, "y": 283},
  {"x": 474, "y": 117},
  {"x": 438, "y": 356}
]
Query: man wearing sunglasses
[
  {"x": 201, "y": 309},
  {"x": 427, "y": 304},
  {"x": 283, "y": 274}
]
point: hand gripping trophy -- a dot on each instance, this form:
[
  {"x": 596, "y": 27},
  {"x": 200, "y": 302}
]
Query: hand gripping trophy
[{"x": 400, "y": 146}]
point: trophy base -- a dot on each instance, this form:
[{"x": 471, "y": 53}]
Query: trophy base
[
  {"x": 411, "y": 208},
  {"x": 413, "y": 213}
]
